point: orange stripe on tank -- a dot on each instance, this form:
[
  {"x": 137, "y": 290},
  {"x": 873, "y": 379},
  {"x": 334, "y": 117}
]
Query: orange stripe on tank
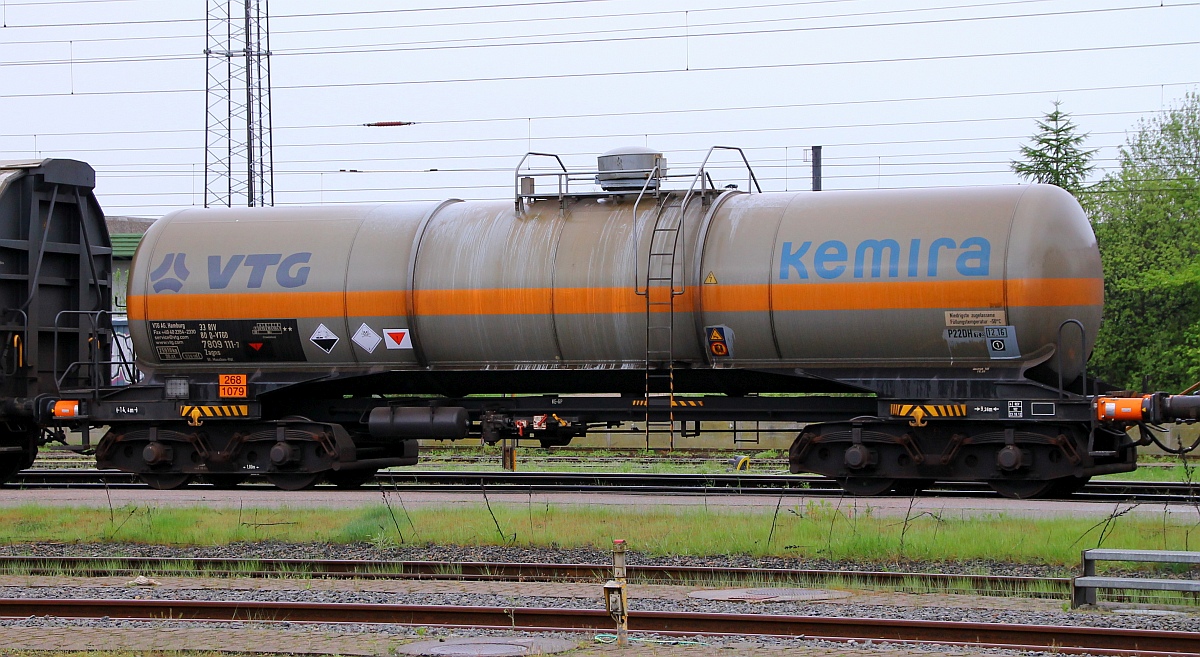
[
  {"x": 487, "y": 301},
  {"x": 537, "y": 301},
  {"x": 903, "y": 295},
  {"x": 898, "y": 295},
  {"x": 875, "y": 295},
  {"x": 1056, "y": 292},
  {"x": 613, "y": 300},
  {"x": 378, "y": 303}
]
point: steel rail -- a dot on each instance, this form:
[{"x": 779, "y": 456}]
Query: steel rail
[
  {"x": 1069, "y": 639},
  {"x": 649, "y": 483},
  {"x": 517, "y": 572}
]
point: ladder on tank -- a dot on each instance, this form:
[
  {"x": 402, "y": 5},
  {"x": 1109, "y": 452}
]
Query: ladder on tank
[
  {"x": 664, "y": 281},
  {"x": 662, "y": 285}
]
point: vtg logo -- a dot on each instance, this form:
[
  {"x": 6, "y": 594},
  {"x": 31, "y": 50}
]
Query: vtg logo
[
  {"x": 290, "y": 271},
  {"x": 172, "y": 262}
]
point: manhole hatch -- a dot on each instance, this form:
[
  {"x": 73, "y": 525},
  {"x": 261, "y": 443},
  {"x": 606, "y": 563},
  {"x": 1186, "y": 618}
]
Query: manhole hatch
[
  {"x": 768, "y": 594},
  {"x": 487, "y": 647}
]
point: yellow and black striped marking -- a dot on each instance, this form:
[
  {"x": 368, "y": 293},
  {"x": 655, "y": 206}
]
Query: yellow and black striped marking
[
  {"x": 918, "y": 412},
  {"x": 232, "y": 410},
  {"x": 674, "y": 402}
]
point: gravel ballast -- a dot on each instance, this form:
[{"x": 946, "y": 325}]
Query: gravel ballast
[{"x": 500, "y": 554}]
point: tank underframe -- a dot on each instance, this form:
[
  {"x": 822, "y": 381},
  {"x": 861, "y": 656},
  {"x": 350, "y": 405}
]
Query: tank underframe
[{"x": 1024, "y": 438}]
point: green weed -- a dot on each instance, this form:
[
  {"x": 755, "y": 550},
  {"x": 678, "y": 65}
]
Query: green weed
[{"x": 846, "y": 530}]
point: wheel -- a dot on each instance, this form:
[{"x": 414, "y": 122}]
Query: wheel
[
  {"x": 1067, "y": 486},
  {"x": 10, "y": 466},
  {"x": 350, "y": 478},
  {"x": 225, "y": 481},
  {"x": 166, "y": 480},
  {"x": 866, "y": 486},
  {"x": 910, "y": 487},
  {"x": 13, "y": 462},
  {"x": 1022, "y": 489},
  {"x": 293, "y": 480}
]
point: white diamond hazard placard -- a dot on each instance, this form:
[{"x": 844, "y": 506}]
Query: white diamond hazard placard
[
  {"x": 366, "y": 338},
  {"x": 397, "y": 339},
  {"x": 325, "y": 339}
]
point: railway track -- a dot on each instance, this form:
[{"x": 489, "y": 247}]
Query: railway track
[
  {"x": 522, "y": 572},
  {"x": 649, "y": 483},
  {"x": 1063, "y": 639}
]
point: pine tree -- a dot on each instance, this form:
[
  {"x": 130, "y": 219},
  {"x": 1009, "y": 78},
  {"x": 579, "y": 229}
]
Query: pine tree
[{"x": 1056, "y": 156}]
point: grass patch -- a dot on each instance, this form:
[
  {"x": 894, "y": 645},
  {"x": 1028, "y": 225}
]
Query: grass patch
[
  {"x": 849, "y": 532},
  {"x": 129, "y": 653},
  {"x": 1156, "y": 472},
  {"x": 126, "y": 653}
]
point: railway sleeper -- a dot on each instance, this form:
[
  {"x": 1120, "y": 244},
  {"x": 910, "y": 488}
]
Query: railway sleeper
[
  {"x": 292, "y": 453},
  {"x": 1021, "y": 462}
]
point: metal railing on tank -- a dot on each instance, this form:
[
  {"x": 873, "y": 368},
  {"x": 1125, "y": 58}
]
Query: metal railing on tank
[
  {"x": 524, "y": 186},
  {"x": 1058, "y": 349}
]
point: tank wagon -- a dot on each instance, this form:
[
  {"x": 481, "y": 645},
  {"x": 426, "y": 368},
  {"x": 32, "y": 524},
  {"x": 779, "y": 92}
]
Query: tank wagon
[{"x": 912, "y": 335}]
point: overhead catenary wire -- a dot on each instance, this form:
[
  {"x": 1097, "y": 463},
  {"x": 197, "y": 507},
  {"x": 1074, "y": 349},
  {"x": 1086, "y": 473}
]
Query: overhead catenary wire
[
  {"x": 667, "y": 112},
  {"x": 537, "y": 19},
  {"x": 535, "y": 3},
  {"x": 615, "y": 135},
  {"x": 413, "y": 10},
  {"x": 772, "y": 159},
  {"x": 471, "y": 43},
  {"x": 660, "y": 71}
]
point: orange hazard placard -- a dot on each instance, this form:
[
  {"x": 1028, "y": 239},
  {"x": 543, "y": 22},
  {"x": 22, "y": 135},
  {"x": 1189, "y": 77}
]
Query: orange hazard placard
[{"x": 232, "y": 385}]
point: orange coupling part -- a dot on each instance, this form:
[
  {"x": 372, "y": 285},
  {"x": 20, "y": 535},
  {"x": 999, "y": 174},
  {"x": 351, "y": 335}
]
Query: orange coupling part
[
  {"x": 66, "y": 409},
  {"x": 1129, "y": 409}
]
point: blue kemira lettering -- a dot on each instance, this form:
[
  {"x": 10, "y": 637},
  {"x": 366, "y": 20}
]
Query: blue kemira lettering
[
  {"x": 791, "y": 260},
  {"x": 887, "y": 258},
  {"x": 826, "y": 260}
]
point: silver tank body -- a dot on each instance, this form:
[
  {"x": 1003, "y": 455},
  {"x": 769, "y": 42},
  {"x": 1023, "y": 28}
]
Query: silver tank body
[{"x": 872, "y": 279}]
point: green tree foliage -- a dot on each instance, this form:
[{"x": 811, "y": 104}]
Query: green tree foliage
[
  {"x": 1056, "y": 155},
  {"x": 1146, "y": 215}
]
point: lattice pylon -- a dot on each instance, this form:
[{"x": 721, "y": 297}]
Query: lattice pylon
[{"x": 238, "y": 162}]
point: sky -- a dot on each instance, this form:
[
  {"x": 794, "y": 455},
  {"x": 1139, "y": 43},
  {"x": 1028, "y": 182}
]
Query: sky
[{"x": 912, "y": 93}]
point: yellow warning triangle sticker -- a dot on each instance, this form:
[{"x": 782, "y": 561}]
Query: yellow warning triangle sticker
[
  {"x": 715, "y": 335},
  {"x": 711, "y": 280}
]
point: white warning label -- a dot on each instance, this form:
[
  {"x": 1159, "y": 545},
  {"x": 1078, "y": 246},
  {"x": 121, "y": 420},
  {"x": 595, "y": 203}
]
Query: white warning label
[
  {"x": 366, "y": 338},
  {"x": 975, "y": 318},
  {"x": 397, "y": 339},
  {"x": 325, "y": 339}
]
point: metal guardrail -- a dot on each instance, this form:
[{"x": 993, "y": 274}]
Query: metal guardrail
[{"x": 1083, "y": 589}]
